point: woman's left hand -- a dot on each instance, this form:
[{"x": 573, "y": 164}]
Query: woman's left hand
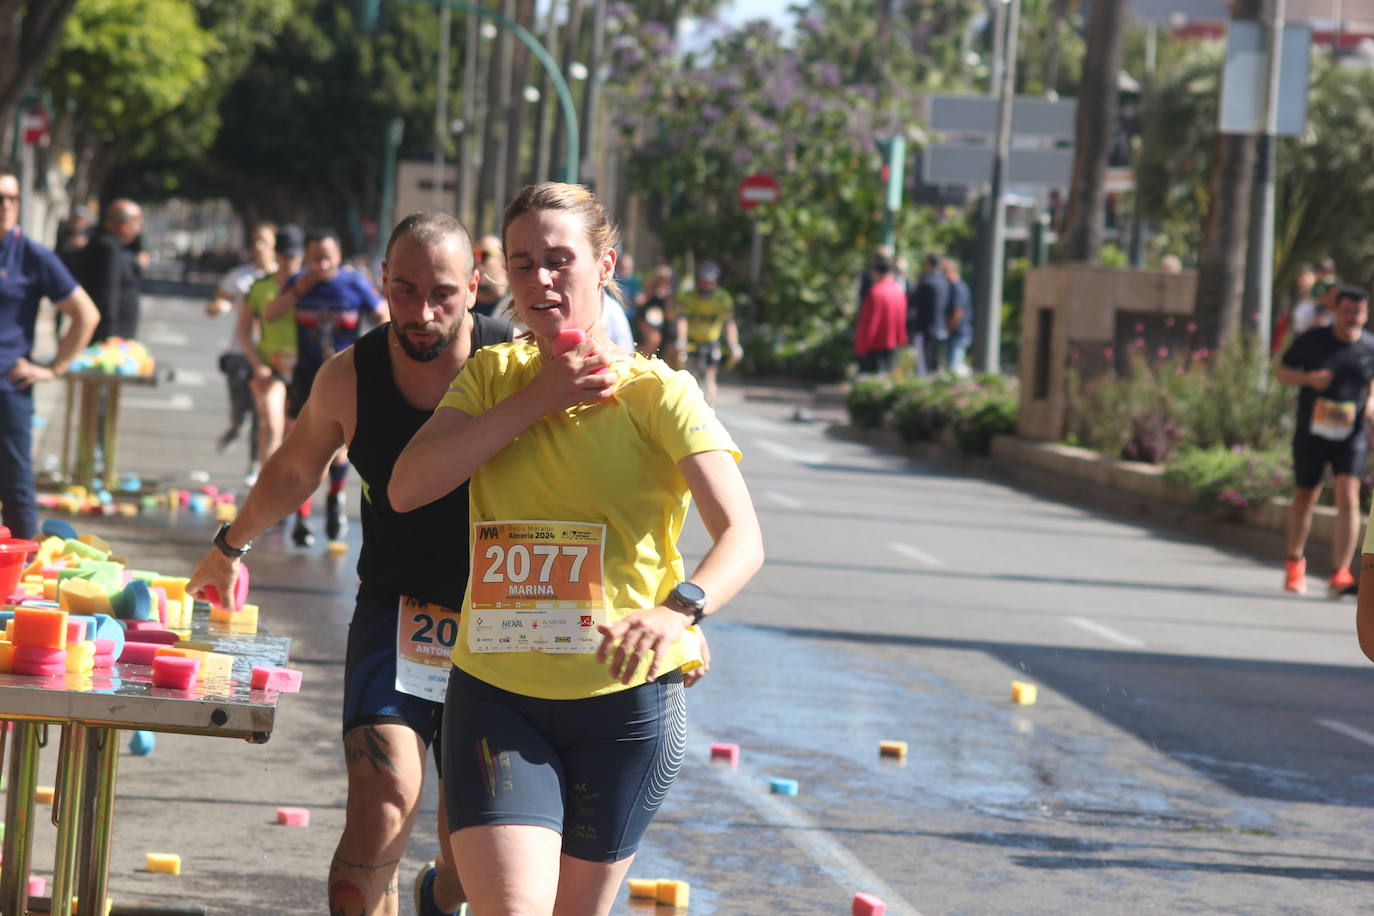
[{"x": 651, "y": 630}]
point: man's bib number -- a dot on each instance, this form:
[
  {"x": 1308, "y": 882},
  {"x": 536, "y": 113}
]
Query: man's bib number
[
  {"x": 425, "y": 635},
  {"x": 1334, "y": 420},
  {"x": 536, "y": 587}
]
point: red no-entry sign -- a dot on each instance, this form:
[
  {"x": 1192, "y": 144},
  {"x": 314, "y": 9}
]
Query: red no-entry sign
[
  {"x": 35, "y": 125},
  {"x": 758, "y": 188}
]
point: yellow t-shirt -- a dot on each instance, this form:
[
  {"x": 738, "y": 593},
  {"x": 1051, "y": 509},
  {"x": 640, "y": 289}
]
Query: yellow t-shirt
[
  {"x": 613, "y": 464},
  {"x": 706, "y": 315}
]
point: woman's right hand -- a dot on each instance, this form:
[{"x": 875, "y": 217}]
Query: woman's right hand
[{"x": 582, "y": 375}]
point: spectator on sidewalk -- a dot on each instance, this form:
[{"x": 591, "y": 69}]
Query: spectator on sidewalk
[
  {"x": 29, "y": 273},
  {"x": 960, "y": 320},
  {"x": 881, "y": 328},
  {"x": 109, "y": 271},
  {"x": 926, "y": 317},
  {"x": 1333, "y": 367}
]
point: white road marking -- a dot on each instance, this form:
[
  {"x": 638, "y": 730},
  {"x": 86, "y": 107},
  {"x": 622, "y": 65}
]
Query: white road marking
[
  {"x": 915, "y": 553},
  {"x": 791, "y": 454},
  {"x": 745, "y": 421},
  {"x": 782, "y": 499},
  {"x": 1107, "y": 633},
  {"x": 843, "y": 867},
  {"x": 189, "y": 377},
  {"x": 1349, "y": 731},
  {"x": 167, "y": 339},
  {"x": 175, "y": 402}
]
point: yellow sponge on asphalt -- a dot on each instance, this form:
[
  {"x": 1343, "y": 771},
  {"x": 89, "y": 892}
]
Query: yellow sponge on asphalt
[
  {"x": 673, "y": 893},
  {"x": 644, "y": 887},
  {"x": 1023, "y": 693},
  {"x": 892, "y": 749},
  {"x": 164, "y": 863}
]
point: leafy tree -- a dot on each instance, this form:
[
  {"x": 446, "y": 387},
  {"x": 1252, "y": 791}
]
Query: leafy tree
[{"x": 122, "y": 66}]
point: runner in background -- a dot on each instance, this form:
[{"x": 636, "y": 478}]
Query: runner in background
[
  {"x": 1333, "y": 367},
  {"x": 234, "y": 363},
  {"x": 705, "y": 316},
  {"x": 270, "y": 346},
  {"x": 331, "y": 304}
]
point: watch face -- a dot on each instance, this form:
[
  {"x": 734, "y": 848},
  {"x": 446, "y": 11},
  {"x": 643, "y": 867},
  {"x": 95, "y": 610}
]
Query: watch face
[{"x": 691, "y": 593}]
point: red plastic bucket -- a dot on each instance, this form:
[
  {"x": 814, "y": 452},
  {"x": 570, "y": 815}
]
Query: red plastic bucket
[{"x": 14, "y": 555}]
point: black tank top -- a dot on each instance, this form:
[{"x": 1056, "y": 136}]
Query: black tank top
[{"x": 424, "y": 553}]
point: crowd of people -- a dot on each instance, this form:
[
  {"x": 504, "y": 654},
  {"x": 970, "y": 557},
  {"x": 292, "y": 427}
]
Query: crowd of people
[{"x": 931, "y": 315}]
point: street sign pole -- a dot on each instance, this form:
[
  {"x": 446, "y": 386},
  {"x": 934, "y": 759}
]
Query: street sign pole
[
  {"x": 987, "y": 327},
  {"x": 1259, "y": 266}
]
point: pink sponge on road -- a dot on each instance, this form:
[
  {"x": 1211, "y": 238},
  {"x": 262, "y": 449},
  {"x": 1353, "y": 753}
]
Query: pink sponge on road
[
  {"x": 293, "y": 817},
  {"x": 175, "y": 671},
  {"x": 283, "y": 680},
  {"x": 867, "y": 905},
  {"x": 726, "y": 752},
  {"x": 40, "y": 661}
]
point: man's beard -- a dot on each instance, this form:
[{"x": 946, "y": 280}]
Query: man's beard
[{"x": 433, "y": 351}]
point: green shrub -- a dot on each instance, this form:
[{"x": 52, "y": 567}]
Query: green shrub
[
  {"x": 924, "y": 407},
  {"x": 1226, "y": 480},
  {"x": 869, "y": 401},
  {"x": 991, "y": 413}
]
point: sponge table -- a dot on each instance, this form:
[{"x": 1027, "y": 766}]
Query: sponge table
[
  {"x": 94, "y": 387},
  {"x": 91, "y": 709}
]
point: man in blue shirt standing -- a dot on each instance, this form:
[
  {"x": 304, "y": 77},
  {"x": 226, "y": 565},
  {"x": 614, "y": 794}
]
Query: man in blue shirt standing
[
  {"x": 960, "y": 321},
  {"x": 330, "y": 302},
  {"x": 29, "y": 273}
]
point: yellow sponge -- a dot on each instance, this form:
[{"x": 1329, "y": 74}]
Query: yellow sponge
[
  {"x": 226, "y": 512},
  {"x": 95, "y": 541},
  {"x": 165, "y": 863},
  {"x": 175, "y": 586},
  {"x": 892, "y": 749},
  {"x": 80, "y": 656},
  {"x": 82, "y": 596},
  {"x": 44, "y": 794},
  {"x": 644, "y": 887},
  {"x": 1023, "y": 693},
  {"x": 244, "y": 620},
  {"x": 214, "y": 665},
  {"x": 673, "y": 893}
]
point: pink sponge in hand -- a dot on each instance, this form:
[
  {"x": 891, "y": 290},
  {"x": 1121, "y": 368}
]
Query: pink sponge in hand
[
  {"x": 175, "y": 671},
  {"x": 283, "y": 680},
  {"x": 568, "y": 339},
  {"x": 240, "y": 590}
]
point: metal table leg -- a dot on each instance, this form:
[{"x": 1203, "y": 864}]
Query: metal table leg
[
  {"x": 14, "y": 886},
  {"x": 111, "y": 445},
  {"x": 98, "y": 820},
  {"x": 87, "y": 429},
  {"x": 68, "y": 472},
  {"x": 71, "y": 770}
]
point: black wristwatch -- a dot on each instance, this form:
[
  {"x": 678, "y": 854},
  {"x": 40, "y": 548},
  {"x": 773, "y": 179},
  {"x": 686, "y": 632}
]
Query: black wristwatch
[
  {"x": 688, "y": 598},
  {"x": 232, "y": 553}
]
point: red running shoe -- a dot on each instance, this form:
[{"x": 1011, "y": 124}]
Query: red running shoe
[{"x": 1295, "y": 575}]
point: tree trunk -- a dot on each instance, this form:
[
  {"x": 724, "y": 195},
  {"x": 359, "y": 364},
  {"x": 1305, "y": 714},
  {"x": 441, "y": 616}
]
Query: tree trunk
[
  {"x": 543, "y": 132},
  {"x": 1050, "y": 77},
  {"x": 571, "y": 38},
  {"x": 1221, "y": 263},
  {"x": 28, "y": 33},
  {"x": 516, "y": 103},
  {"x": 1093, "y": 128}
]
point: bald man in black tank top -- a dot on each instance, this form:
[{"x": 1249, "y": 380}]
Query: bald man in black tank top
[{"x": 372, "y": 398}]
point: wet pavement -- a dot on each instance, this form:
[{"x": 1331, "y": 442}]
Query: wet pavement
[{"x": 1201, "y": 743}]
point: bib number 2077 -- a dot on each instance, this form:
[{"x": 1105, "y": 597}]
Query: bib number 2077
[{"x": 516, "y": 562}]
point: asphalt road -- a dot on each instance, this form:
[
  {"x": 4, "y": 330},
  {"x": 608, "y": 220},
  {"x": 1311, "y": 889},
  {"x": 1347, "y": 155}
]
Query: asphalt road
[{"x": 1201, "y": 742}]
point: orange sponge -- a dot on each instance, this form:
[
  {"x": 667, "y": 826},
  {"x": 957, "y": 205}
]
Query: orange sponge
[{"x": 35, "y": 626}]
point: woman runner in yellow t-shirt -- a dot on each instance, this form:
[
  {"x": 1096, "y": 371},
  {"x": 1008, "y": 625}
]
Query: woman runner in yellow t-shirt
[{"x": 565, "y": 724}]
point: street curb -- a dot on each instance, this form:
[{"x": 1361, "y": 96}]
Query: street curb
[{"x": 1128, "y": 489}]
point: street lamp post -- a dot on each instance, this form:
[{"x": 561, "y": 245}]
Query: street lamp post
[{"x": 988, "y": 326}]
